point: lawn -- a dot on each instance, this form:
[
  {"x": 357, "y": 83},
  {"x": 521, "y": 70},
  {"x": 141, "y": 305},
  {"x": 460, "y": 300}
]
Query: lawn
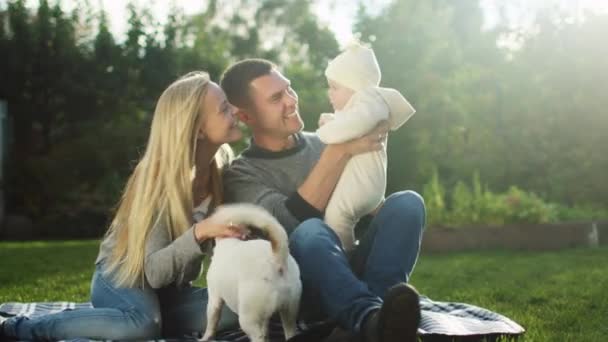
[{"x": 556, "y": 296}]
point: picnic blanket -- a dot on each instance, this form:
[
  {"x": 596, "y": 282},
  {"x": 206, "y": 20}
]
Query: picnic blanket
[{"x": 438, "y": 318}]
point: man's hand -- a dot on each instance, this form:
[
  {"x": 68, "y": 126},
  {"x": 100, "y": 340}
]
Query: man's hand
[
  {"x": 320, "y": 183},
  {"x": 373, "y": 141},
  {"x": 325, "y": 118}
]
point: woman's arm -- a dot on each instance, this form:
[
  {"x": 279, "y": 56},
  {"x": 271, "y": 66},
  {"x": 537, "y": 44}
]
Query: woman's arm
[
  {"x": 179, "y": 261},
  {"x": 167, "y": 261}
]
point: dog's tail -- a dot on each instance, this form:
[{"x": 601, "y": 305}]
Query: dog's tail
[{"x": 258, "y": 217}]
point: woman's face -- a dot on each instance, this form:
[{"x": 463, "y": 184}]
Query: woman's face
[{"x": 219, "y": 124}]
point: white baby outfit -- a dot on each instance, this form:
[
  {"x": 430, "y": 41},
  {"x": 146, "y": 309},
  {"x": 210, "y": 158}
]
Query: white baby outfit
[{"x": 362, "y": 184}]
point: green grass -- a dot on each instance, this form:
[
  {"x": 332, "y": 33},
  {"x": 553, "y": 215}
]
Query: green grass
[{"x": 556, "y": 296}]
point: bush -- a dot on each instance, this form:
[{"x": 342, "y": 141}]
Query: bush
[
  {"x": 434, "y": 195},
  {"x": 581, "y": 212},
  {"x": 476, "y": 205},
  {"x": 81, "y": 177}
]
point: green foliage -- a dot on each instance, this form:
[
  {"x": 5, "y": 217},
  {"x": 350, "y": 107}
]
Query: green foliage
[
  {"x": 531, "y": 117},
  {"x": 525, "y": 206},
  {"x": 434, "y": 199},
  {"x": 81, "y": 102},
  {"x": 463, "y": 208},
  {"x": 581, "y": 213},
  {"x": 466, "y": 205},
  {"x": 532, "y": 121},
  {"x": 83, "y": 172}
]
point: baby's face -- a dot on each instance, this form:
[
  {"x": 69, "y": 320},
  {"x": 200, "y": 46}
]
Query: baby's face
[{"x": 338, "y": 94}]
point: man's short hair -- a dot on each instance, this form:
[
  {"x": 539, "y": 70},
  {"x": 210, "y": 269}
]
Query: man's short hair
[{"x": 236, "y": 79}]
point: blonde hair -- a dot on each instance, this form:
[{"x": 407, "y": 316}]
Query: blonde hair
[{"x": 159, "y": 191}]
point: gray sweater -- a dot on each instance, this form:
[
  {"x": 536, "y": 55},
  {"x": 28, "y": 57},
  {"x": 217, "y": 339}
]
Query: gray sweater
[
  {"x": 167, "y": 263},
  {"x": 271, "y": 179}
]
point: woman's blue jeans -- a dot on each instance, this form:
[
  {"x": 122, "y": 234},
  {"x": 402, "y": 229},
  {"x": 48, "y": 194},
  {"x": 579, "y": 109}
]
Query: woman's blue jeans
[
  {"x": 124, "y": 314},
  {"x": 347, "y": 288}
]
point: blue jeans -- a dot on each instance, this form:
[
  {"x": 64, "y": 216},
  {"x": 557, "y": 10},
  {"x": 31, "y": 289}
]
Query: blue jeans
[
  {"x": 350, "y": 287},
  {"x": 124, "y": 314}
]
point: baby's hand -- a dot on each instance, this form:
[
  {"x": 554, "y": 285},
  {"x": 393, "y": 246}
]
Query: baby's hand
[{"x": 325, "y": 118}]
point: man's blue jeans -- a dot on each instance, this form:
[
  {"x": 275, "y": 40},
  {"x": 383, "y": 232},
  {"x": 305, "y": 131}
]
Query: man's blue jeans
[
  {"x": 347, "y": 288},
  {"x": 124, "y": 314}
]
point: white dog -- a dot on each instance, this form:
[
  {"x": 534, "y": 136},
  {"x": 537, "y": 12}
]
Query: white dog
[{"x": 255, "y": 278}]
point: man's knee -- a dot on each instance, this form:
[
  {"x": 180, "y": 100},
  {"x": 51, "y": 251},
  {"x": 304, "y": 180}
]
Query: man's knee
[
  {"x": 307, "y": 235},
  {"x": 407, "y": 204}
]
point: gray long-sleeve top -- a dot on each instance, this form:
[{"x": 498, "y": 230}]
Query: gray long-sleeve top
[
  {"x": 271, "y": 179},
  {"x": 167, "y": 262}
]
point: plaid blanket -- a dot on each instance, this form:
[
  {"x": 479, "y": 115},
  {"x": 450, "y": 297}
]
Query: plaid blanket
[{"x": 438, "y": 318}]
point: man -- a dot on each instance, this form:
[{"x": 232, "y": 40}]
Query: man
[{"x": 292, "y": 174}]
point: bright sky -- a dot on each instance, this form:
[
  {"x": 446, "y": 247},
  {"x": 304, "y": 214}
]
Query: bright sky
[
  {"x": 521, "y": 13},
  {"x": 339, "y": 15}
]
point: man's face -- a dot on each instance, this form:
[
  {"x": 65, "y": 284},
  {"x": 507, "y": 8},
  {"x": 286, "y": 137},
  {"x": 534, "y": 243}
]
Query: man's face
[{"x": 275, "y": 106}]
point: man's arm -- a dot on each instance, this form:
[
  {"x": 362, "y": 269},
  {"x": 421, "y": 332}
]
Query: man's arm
[{"x": 244, "y": 182}]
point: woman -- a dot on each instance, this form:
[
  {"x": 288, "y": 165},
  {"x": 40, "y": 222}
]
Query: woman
[{"x": 157, "y": 240}]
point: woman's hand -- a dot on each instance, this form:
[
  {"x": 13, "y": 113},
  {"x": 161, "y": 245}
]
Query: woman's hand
[
  {"x": 210, "y": 229},
  {"x": 373, "y": 141}
]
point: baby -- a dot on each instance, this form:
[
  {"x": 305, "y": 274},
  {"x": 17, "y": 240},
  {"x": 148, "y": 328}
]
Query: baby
[{"x": 359, "y": 105}]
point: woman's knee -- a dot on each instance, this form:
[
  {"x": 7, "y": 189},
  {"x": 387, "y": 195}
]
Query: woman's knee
[
  {"x": 135, "y": 326},
  {"x": 154, "y": 326},
  {"x": 146, "y": 326}
]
